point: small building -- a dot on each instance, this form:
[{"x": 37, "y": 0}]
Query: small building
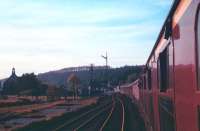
[{"x": 6, "y": 83}]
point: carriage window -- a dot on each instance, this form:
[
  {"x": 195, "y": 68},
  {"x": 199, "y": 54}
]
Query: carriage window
[
  {"x": 163, "y": 69},
  {"x": 198, "y": 46},
  {"x": 140, "y": 83},
  {"x": 144, "y": 79},
  {"x": 149, "y": 79}
]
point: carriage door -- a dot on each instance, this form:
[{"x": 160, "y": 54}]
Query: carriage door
[{"x": 166, "y": 88}]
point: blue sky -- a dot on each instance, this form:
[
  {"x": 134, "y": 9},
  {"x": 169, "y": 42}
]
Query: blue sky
[{"x": 42, "y": 35}]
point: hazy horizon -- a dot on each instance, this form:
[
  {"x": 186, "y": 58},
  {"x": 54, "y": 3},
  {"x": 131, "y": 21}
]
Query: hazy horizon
[{"x": 59, "y": 69}]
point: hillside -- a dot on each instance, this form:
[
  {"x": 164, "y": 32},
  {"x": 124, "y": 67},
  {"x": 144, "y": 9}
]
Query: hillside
[{"x": 99, "y": 75}]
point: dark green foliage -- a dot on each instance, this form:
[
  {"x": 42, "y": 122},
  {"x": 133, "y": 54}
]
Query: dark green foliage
[
  {"x": 114, "y": 76},
  {"x": 121, "y": 75},
  {"x": 117, "y": 76},
  {"x": 27, "y": 84}
]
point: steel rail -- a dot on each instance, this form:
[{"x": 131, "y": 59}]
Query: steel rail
[
  {"x": 109, "y": 116},
  {"x": 123, "y": 113},
  {"x": 78, "y": 117},
  {"x": 91, "y": 118}
]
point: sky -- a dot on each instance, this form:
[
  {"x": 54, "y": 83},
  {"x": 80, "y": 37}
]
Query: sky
[{"x": 43, "y": 35}]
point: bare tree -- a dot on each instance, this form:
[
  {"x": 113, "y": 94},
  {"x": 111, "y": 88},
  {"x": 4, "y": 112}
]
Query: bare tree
[{"x": 73, "y": 82}]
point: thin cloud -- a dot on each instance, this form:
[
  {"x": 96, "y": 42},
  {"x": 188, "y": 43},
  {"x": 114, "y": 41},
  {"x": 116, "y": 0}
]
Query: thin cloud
[{"x": 50, "y": 35}]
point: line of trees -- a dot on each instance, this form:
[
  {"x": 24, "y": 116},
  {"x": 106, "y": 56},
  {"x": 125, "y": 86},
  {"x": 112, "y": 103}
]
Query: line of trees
[
  {"x": 76, "y": 82},
  {"x": 27, "y": 84}
]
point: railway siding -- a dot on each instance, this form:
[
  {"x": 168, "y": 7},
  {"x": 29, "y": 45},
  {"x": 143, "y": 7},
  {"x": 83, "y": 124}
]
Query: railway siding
[
  {"x": 118, "y": 114},
  {"x": 59, "y": 122}
]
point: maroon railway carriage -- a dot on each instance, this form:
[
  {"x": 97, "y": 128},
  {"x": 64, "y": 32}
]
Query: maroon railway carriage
[
  {"x": 131, "y": 90},
  {"x": 170, "y": 86}
]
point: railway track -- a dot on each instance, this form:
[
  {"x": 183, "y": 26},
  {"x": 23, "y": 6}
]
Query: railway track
[
  {"x": 101, "y": 118},
  {"x": 107, "y": 115},
  {"x": 88, "y": 123},
  {"x": 123, "y": 114},
  {"x": 117, "y": 113},
  {"x": 85, "y": 119},
  {"x": 108, "y": 118}
]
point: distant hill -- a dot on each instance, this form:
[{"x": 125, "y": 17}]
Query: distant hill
[
  {"x": 59, "y": 77},
  {"x": 115, "y": 75},
  {"x": 125, "y": 74}
]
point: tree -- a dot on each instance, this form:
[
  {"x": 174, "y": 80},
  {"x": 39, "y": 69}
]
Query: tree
[
  {"x": 52, "y": 93},
  {"x": 73, "y": 82},
  {"x": 27, "y": 84}
]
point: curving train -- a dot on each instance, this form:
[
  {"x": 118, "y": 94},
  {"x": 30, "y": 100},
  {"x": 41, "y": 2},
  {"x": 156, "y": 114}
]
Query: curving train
[{"x": 168, "y": 91}]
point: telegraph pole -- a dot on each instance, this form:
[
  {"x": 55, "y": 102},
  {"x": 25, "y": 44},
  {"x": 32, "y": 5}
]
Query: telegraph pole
[
  {"x": 106, "y": 59},
  {"x": 91, "y": 78}
]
